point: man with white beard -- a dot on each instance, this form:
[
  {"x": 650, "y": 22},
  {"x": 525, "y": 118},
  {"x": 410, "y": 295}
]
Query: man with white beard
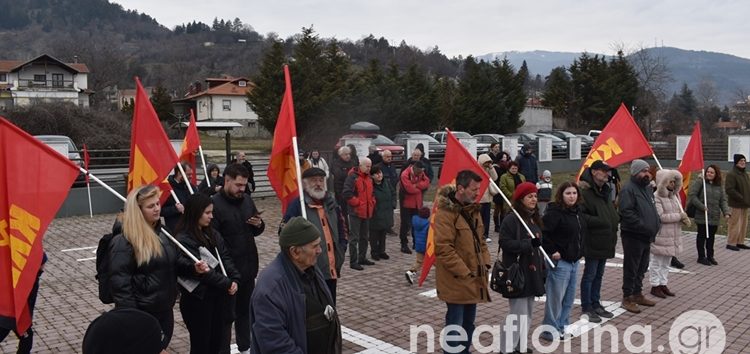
[{"x": 325, "y": 214}]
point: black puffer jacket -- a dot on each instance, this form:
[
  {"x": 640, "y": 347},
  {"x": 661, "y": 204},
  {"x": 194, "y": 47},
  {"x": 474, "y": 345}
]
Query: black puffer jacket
[
  {"x": 563, "y": 231},
  {"x": 151, "y": 287},
  {"x": 214, "y": 280},
  {"x": 230, "y": 216},
  {"x": 169, "y": 209},
  {"x": 515, "y": 243}
]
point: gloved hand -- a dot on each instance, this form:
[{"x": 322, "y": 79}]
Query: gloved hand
[
  {"x": 685, "y": 220},
  {"x": 536, "y": 242}
]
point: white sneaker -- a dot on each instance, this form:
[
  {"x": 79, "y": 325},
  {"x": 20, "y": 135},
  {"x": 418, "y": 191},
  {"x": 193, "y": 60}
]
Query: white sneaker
[
  {"x": 410, "y": 277},
  {"x": 488, "y": 239}
]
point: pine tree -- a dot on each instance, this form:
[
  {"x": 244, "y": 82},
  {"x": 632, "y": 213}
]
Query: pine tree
[
  {"x": 558, "y": 92},
  {"x": 162, "y": 102},
  {"x": 268, "y": 90}
]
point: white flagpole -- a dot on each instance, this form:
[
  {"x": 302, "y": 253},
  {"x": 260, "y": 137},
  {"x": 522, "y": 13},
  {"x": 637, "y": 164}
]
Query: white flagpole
[
  {"x": 88, "y": 190},
  {"x": 657, "y": 162},
  {"x": 176, "y": 200},
  {"x": 497, "y": 190},
  {"x": 203, "y": 161},
  {"x": 221, "y": 264},
  {"x": 184, "y": 178},
  {"x": 163, "y": 230},
  {"x": 299, "y": 177}
]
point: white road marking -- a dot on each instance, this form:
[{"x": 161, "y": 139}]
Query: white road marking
[
  {"x": 582, "y": 326},
  {"x": 85, "y": 259},
  {"x": 79, "y": 249},
  {"x": 371, "y": 345},
  {"x": 429, "y": 293}
]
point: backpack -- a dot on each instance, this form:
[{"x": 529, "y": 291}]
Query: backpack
[{"x": 102, "y": 268}]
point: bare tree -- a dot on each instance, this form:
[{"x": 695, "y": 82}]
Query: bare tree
[{"x": 706, "y": 93}]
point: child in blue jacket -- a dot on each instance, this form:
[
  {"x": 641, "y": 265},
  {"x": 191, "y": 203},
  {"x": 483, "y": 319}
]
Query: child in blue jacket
[{"x": 420, "y": 224}]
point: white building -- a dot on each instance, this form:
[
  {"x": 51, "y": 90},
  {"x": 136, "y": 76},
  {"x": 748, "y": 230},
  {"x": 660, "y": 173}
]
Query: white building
[
  {"x": 535, "y": 118},
  {"x": 43, "y": 79},
  {"x": 224, "y": 100}
]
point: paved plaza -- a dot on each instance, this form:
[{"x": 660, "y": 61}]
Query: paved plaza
[{"x": 377, "y": 307}]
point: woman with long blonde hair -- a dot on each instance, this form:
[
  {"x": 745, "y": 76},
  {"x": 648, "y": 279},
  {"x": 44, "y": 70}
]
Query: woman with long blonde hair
[{"x": 143, "y": 263}]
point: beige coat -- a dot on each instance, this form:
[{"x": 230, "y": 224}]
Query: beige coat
[
  {"x": 487, "y": 196},
  {"x": 461, "y": 272},
  {"x": 669, "y": 239}
]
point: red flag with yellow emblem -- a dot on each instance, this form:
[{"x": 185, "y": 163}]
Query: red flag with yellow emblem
[
  {"x": 692, "y": 160},
  {"x": 620, "y": 141},
  {"x": 189, "y": 146},
  {"x": 282, "y": 167},
  {"x": 28, "y": 203},
  {"x": 152, "y": 156},
  {"x": 457, "y": 159}
]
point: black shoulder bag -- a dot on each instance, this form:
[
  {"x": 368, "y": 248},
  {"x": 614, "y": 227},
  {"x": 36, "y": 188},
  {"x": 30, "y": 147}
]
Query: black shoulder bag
[{"x": 508, "y": 281}]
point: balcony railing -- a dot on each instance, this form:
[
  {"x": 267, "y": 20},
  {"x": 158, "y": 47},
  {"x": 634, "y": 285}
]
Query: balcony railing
[{"x": 55, "y": 85}]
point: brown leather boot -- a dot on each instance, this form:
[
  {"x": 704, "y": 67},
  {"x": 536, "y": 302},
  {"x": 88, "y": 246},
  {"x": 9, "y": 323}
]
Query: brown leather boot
[
  {"x": 629, "y": 305},
  {"x": 657, "y": 291},
  {"x": 666, "y": 291},
  {"x": 642, "y": 300}
]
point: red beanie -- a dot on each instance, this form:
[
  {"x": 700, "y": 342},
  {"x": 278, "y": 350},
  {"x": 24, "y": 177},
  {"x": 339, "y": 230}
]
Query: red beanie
[{"x": 523, "y": 190}]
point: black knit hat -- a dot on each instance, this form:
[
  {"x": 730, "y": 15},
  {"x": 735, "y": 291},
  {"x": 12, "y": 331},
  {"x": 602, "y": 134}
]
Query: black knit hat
[
  {"x": 738, "y": 157},
  {"x": 123, "y": 330},
  {"x": 298, "y": 232}
]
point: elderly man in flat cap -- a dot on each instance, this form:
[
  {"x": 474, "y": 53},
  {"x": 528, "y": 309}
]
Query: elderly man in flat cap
[
  {"x": 292, "y": 310},
  {"x": 323, "y": 212}
]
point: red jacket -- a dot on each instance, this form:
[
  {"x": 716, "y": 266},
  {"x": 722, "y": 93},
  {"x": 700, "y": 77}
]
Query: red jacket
[
  {"x": 413, "y": 186},
  {"x": 358, "y": 193}
]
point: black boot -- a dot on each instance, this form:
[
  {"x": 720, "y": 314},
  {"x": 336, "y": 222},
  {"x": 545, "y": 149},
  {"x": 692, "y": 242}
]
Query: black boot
[
  {"x": 405, "y": 249},
  {"x": 675, "y": 263}
]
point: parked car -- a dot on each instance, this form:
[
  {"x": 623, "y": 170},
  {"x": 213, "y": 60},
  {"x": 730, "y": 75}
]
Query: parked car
[
  {"x": 73, "y": 153},
  {"x": 594, "y": 133},
  {"x": 565, "y": 135},
  {"x": 558, "y": 145},
  {"x": 482, "y": 148},
  {"x": 493, "y": 138},
  {"x": 436, "y": 149},
  {"x": 382, "y": 142},
  {"x": 587, "y": 139}
]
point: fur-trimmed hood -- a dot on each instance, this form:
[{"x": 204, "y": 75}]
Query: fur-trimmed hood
[
  {"x": 662, "y": 179},
  {"x": 446, "y": 200}
]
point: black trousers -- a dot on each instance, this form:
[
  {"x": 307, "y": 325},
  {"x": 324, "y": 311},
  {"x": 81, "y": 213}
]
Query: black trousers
[
  {"x": 705, "y": 244},
  {"x": 242, "y": 314},
  {"x": 635, "y": 264},
  {"x": 377, "y": 241},
  {"x": 166, "y": 321},
  {"x": 331, "y": 283},
  {"x": 207, "y": 322},
  {"x": 405, "y": 229}
]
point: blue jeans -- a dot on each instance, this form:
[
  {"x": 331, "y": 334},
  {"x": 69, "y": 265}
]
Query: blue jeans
[
  {"x": 486, "y": 209},
  {"x": 462, "y": 315},
  {"x": 591, "y": 283},
  {"x": 561, "y": 291}
]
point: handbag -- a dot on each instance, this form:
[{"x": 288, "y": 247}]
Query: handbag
[{"x": 508, "y": 281}]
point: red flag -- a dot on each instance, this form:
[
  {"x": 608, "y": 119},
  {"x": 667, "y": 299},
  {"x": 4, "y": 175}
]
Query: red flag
[
  {"x": 189, "y": 145},
  {"x": 28, "y": 203},
  {"x": 457, "y": 159},
  {"x": 282, "y": 167},
  {"x": 152, "y": 156},
  {"x": 620, "y": 141},
  {"x": 86, "y": 160},
  {"x": 692, "y": 160}
]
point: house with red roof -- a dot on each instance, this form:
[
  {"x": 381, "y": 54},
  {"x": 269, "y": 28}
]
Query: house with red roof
[{"x": 43, "y": 79}]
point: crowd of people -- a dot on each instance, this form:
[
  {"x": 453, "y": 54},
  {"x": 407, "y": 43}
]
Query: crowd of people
[{"x": 290, "y": 306}]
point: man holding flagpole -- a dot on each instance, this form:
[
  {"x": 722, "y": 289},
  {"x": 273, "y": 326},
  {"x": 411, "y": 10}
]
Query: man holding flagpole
[{"x": 462, "y": 257}]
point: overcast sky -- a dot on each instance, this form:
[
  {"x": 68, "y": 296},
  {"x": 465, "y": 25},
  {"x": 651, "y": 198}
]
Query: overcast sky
[{"x": 482, "y": 26}]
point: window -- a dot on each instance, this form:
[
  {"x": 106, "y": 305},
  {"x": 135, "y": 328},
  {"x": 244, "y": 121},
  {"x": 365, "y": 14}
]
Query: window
[
  {"x": 247, "y": 108},
  {"x": 3, "y": 77},
  {"x": 40, "y": 79},
  {"x": 226, "y": 104},
  {"x": 243, "y": 83},
  {"x": 57, "y": 80}
]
